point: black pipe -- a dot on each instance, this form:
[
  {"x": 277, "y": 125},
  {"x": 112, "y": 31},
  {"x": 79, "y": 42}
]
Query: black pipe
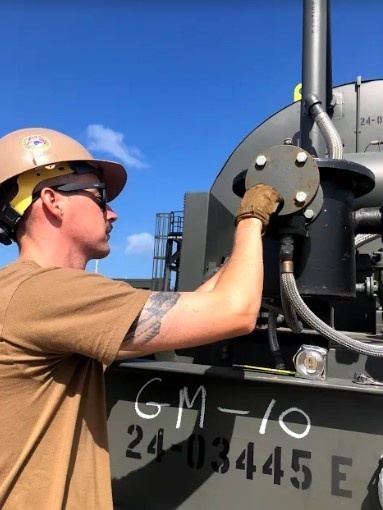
[{"x": 324, "y": 262}]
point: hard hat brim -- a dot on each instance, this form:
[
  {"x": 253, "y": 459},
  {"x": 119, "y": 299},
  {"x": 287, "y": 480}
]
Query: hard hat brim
[{"x": 113, "y": 175}]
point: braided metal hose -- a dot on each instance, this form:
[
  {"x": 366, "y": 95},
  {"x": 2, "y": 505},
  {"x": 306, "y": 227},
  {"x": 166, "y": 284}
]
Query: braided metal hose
[
  {"x": 290, "y": 314},
  {"x": 290, "y": 288},
  {"x": 330, "y": 134},
  {"x": 362, "y": 239}
]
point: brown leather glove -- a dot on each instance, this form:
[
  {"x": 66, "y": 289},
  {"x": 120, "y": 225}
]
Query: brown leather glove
[{"x": 259, "y": 201}]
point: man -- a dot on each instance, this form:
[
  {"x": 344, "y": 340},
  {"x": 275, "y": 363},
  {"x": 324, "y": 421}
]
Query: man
[{"x": 61, "y": 326}]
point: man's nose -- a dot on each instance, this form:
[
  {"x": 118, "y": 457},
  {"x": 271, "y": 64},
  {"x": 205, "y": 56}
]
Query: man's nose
[{"x": 111, "y": 216}]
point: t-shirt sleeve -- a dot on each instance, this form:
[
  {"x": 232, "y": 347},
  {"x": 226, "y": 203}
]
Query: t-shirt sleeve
[{"x": 67, "y": 311}]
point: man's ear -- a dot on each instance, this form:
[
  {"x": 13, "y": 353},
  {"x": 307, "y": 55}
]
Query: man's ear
[{"x": 52, "y": 201}]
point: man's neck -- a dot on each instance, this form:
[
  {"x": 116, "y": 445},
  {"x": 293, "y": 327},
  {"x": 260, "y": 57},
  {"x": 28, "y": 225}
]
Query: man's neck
[{"x": 56, "y": 256}]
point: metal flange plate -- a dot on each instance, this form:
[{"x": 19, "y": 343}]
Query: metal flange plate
[{"x": 291, "y": 171}]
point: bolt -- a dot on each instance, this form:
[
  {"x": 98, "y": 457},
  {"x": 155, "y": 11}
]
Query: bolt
[
  {"x": 309, "y": 213},
  {"x": 287, "y": 141},
  {"x": 261, "y": 160},
  {"x": 300, "y": 197},
  {"x": 301, "y": 157}
]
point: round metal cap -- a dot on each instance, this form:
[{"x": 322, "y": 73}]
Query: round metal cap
[{"x": 291, "y": 171}]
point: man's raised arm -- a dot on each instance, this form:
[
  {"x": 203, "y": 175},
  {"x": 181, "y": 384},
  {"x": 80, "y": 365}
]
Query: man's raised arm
[{"x": 176, "y": 320}]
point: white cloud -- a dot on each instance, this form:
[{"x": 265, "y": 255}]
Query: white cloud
[
  {"x": 104, "y": 139},
  {"x": 139, "y": 243}
]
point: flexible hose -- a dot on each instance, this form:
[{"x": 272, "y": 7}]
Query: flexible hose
[
  {"x": 290, "y": 314},
  {"x": 286, "y": 252},
  {"x": 274, "y": 308},
  {"x": 274, "y": 311},
  {"x": 272, "y": 331},
  {"x": 273, "y": 340},
  {"x": 290, "y": 287},
  {"x": 362, "y": 239},
  {"x": 330, "y": 134}
]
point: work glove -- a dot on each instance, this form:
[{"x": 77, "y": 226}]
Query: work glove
[{"x": 259, "y": 201}]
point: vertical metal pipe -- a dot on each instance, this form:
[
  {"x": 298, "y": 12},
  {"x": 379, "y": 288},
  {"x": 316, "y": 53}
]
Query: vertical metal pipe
[
  {"x": 357, "y": 120},
  {"x": 314, "y": 71},
  {"x": 328, "y": 60}
]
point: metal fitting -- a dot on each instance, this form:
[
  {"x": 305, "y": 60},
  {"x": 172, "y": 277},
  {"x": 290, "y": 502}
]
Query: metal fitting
[
  {"x": 287, "y": 266},
  {"x": 309, "y": 214},
  {"x": 369, "y": 287},
  {"x": 311, "y": 362},
  {"x": 260, "y": 161},
  {"x": 300, "y": 197},
  {"x": 301, "y": 157}
]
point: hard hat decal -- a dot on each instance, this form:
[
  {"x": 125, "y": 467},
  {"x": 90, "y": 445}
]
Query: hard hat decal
[{"x": 36, "y": 143}]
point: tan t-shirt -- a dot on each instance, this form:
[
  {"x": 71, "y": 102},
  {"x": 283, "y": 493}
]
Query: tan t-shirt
[{"x": 59, "y": 327}]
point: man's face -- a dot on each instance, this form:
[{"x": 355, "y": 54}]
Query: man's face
[{"x": 85, "y": 224}]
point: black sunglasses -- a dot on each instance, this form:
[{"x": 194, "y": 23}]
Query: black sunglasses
[{"x": 101, "y": 199}]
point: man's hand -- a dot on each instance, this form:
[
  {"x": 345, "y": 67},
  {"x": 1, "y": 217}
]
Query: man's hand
[{"x": 259, "y": 201}]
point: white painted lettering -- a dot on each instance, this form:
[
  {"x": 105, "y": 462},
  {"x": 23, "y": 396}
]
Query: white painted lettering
[
  {"x": 184, "y": 398},
  {"x": 290, "y": 432},
  {"x": 262, "y": 428},
  {"x": 140, "y": 413}
]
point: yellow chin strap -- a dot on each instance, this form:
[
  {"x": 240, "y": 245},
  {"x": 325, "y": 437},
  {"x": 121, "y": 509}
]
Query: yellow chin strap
[{"x": 28, "y": 181}]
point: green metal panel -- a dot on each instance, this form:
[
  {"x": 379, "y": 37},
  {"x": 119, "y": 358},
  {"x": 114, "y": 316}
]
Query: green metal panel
[
  {"x": 198, "y": 437},
  {"x": 192, "y": 265}
]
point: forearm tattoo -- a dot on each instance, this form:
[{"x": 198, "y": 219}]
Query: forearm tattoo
[{"x": 148, "y": 324}]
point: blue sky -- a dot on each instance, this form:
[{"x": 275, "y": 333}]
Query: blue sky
[{"x": 167, "y": 88}]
